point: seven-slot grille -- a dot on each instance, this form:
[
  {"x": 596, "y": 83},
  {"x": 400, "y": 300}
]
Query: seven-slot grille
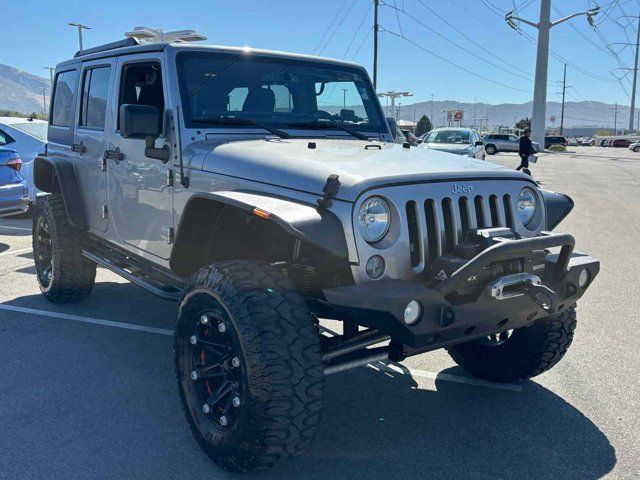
[{"x": 436, "y": 226}]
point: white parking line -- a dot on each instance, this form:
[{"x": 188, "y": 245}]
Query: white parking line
[
  {"x": 24, "y": 229},
  {"x": 401, "y": 369},
  {"x": 95, "y": 321},
  {"x": 381, "y": 367},
  {"x": 15, "y": 252}
]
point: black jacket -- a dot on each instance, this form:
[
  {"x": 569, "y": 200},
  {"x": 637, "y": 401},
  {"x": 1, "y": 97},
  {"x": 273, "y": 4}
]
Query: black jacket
[{"x": 526, "y": 147}]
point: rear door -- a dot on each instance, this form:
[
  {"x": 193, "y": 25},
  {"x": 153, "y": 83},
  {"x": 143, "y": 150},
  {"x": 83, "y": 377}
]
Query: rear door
[{"x": 90, "y": 139}]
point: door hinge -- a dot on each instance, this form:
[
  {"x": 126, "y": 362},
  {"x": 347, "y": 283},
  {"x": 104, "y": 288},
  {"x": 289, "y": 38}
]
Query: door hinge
[
  {"x": 167, "y": 234},
  {"x": 169, "y": 178},
  {"x": 104, "y": 212},
  {"x": 103, "y": 164}
]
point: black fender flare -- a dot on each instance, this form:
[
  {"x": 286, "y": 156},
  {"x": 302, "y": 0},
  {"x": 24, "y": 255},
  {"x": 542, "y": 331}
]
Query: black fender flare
[
  {"x": 57, "y": 175},
  {"x": 557, "y": 206},
  {"x": 316, "y": 226}
]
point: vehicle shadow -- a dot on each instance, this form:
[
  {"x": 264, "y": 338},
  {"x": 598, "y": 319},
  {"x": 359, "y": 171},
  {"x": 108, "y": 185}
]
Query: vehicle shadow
[
  {"x": 4, "y": 247},
  {"x": 379, "y": 425}
]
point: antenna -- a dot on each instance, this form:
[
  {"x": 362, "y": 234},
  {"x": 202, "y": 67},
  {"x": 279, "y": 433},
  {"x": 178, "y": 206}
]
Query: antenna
[{"x": 158, "y": 35}]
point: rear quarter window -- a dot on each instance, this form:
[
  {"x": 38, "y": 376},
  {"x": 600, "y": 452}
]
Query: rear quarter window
[{"x": 63, "y": 110}]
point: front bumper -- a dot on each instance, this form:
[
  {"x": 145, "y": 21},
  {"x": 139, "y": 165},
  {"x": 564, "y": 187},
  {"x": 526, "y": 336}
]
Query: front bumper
[{"x": 501, "y": 304}]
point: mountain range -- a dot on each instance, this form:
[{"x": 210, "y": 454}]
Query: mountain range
[{"x": 22, "y": 92}]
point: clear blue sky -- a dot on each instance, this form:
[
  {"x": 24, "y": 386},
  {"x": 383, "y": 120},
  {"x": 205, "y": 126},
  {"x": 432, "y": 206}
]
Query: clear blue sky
[{"x": 37, "y": 35}]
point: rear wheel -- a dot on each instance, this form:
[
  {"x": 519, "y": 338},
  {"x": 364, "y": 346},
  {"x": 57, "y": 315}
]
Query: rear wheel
[
  {"x": 248, "y": 365},
  {"x": 521, "y": 353},
  {"x": 490, "y": 149},
  {"x": 64, "y": 275},
  {"x": 636, "y": 149}
]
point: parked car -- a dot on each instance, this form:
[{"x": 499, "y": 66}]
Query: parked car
[
  {"x": 635, "y": 146},
  {"x": 460, "y": 141},
  {"x": 27, "y": 137},
  {"x": 13, "y": 192},
  {"x": 573, "y": 142},
  {"x": 258, "y": 219},
  {"x": 500, "y": 142},
  {"x": 554, "y": 140},
  {"x": 410, "y": 137},
  {"x": 621, "y": 142},
  {"x": 586, "y": 142}
]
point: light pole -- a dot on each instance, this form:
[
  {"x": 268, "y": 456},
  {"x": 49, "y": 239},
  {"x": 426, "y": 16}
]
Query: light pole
[
  {"x": 544, "y": 25},
  {"x": 80, "y": 27},
  {"x": 44, "y": 102},
  {"x": 51, "y": 70},
  {"x": 344, "y": 98},
  {"x": 393, "y": 96}
]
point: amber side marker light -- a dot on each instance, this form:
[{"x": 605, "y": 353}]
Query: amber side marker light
[{"x": 261, "y": 213}]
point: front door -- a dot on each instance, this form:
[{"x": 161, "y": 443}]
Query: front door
[
  {"x": 140, "y": 195},
  {"x": 90, "y": 139}
]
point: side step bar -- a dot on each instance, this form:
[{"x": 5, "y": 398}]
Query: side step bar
[{"x": 166, "y": 293}]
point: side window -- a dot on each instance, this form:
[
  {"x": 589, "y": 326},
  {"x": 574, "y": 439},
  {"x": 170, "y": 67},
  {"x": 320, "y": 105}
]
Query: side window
[
  {"x": 62, "y": 110},
  {"x": 282, "y": 100},
  {"x": 141, "y": 84},
  {"x": 95, "y": 89},
  {"x": 5, "y": 138},
  {"x": 513, "y": 138}
]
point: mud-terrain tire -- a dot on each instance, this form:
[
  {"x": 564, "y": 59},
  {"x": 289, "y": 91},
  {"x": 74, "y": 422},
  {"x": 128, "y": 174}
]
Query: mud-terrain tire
[
  {"x": 63, "y": 274},
  {"x": 277, "y": 379},
  {"x": 528, "y": 352},
  {"x": 490, "y": 149}
]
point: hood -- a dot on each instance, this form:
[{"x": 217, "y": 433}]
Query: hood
[{"x": 291, "y": 163}]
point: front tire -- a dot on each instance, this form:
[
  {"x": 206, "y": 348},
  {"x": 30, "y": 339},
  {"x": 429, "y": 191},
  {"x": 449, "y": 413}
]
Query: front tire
[
  {"x": 490, "y": 150},
  {"x": 64, "y": 275},
  {"x": 525, "y": 353},
  {"x": 247, "y": 349},
  {"x": 636, "y": 149}
]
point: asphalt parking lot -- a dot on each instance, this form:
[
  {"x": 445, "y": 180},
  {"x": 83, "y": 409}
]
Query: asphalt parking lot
[{"x": 87, "y": 390}]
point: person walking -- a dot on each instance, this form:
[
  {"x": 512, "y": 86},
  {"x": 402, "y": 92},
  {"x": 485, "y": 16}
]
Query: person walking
[{"x": 525, "y": 151}]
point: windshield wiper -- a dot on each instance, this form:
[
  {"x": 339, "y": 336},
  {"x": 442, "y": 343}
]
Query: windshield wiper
[
  {"x": 239, "y": 121},
  {"x": 317, "y": 124}
]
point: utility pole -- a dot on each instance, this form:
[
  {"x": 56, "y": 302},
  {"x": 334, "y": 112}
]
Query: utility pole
[
  {"x": 635, "y": 79},
  {"x": 44, "y": 102},
  {"x": 344, "y": 98},
  {"x": 564, "y": 89},
  {"x": 376, "y": 27},
  {"x": 80, "y": 27},
  {"x": 544, "y": 26},
  {"x": 432, "y": 110},
  {"x": 615, "y": 120},
  {"x": 475, "y": 110}
]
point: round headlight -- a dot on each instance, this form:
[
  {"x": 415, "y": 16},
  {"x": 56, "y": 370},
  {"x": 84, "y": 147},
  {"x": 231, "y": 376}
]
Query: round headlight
[
  {"x": 374, "y": 219},
  {"x": 527, "y": 204}
]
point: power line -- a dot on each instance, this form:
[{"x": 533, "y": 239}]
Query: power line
[
  {"x": 506, "y": 62},
  {"x": 471, "y": 72},
  {"x": 444, "y": 37},
  {"x": 366, "y": 14},
  {"x": 335, "y": 17}
]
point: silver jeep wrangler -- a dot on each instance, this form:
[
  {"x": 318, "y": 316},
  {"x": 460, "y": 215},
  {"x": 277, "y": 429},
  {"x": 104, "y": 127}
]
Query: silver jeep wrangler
[{"x": 261, "y": 191}]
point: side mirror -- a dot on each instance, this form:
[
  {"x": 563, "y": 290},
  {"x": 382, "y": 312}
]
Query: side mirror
[
  {"x": 139, "y": 121},
  {"x": 393, "y": 126},
  {"x": 144, "y": 121},
  {"x": 479, "y": 143}
]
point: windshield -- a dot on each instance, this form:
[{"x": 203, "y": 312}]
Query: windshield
[
  {"x": 448, "y": 136},
  {"x": 223, "y": 90},
  {"x": 38, "y": 130}
]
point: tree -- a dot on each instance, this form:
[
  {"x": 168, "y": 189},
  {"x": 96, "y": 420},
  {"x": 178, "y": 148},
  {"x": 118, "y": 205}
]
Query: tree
[
  {"x": 524, "y": 123},
  {"x": 424, "y": 126}
]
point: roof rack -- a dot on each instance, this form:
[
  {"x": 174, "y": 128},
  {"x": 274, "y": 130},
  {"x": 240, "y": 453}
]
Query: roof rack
[
  {"x": 159, "y": 35},
  {"x": 127, "y": 42}
]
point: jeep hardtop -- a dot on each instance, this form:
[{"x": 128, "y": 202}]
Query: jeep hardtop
[{"x": 261, "y": 191}]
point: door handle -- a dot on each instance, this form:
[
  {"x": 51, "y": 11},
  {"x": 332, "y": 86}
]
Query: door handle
[
  {"x": 116, "y": 155},
  {"x": 78, "y": 147}
]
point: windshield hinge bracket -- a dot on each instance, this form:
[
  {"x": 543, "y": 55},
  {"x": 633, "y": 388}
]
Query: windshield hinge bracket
[{"x": 329, "y": 191}]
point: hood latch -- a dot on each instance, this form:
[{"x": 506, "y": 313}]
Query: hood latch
[{"x": 329, "y": 191}]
